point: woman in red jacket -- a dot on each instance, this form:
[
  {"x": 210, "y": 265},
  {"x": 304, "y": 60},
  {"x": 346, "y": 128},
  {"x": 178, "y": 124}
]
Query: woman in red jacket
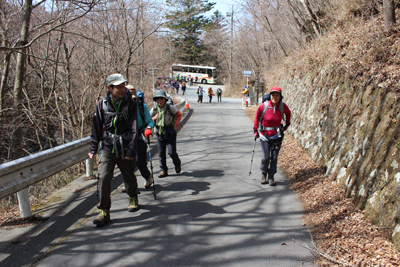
[{"x": 267, "y": 126}]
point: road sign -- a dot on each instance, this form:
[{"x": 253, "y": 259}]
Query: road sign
[
  {"x": 247, "y": 75},
  {"x": 247, "y": 72}
]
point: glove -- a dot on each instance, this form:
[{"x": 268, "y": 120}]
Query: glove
[
  {"x": 286, "y": 126},
  {"x": 147, "y": 133},
  {"x": 256, "y": 134}
]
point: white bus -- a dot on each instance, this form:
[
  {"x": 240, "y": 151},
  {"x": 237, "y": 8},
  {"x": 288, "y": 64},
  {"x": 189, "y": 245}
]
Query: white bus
[{"x": 204, "y": 74}]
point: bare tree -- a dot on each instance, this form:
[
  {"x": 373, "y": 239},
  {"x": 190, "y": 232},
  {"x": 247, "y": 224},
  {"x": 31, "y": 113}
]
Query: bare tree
[{"x": 390, "y": 16}]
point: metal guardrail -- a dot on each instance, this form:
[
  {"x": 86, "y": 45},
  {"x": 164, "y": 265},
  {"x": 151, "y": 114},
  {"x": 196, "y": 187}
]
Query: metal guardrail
[
  {"x": 17, "y": 175},
  {"x": 21, "y": 173}
]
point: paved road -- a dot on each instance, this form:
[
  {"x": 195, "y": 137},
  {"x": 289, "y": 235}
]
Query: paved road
[{"x": 212, "y": 214}]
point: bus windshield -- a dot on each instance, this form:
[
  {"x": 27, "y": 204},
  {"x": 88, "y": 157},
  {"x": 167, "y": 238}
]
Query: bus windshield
[{"x": 200, "y": 74}]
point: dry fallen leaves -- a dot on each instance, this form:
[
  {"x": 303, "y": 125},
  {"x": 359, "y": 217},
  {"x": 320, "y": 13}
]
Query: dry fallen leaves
[{"x": 338, "y": 228}]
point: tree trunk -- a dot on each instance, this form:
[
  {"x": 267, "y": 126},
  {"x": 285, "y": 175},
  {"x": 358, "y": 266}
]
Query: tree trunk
[
  {"x": 313, "y": 17},
  {"x": 390, "y": 16},
  {"x": 17, "y": 139},
  {"x": 6, "y": 68}
]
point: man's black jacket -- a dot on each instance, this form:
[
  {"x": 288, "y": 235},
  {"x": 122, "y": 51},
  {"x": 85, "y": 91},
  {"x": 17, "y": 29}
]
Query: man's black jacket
[{"x": 115, "y": 125}]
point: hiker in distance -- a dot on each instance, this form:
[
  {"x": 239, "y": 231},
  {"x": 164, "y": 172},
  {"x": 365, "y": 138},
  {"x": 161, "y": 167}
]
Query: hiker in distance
[
  {"x": 183, "y": 89},
  {"x": 200, "y": 92},
  {"x": 268, "y": 127},
  {"x": 117, "y": 113},
  {"x": 145, "y": 124},
  {"x": 210, "y": 93},
  {"x": 219, "y": 94},
  {"x": 167, "y": 119}
]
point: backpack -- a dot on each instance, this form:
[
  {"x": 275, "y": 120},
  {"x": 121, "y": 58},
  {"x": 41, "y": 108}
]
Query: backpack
[
  {"x": 140, "y": 102},
  {"x": 169, "y": 101},
  {"x": 266, "y": 97}
]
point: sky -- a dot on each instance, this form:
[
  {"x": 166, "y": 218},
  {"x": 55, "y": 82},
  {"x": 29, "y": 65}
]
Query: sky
[{"x": 224, "y": 6}]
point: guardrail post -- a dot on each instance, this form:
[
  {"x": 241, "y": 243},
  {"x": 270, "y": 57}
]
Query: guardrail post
[
  {"x": 24, "y": 206},
  {"x": 89, "y": 167}
]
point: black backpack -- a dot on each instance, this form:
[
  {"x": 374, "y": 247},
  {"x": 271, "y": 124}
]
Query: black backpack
[
  {"x": 140, "y": 102},
  {"x": 266, "y": 97}
]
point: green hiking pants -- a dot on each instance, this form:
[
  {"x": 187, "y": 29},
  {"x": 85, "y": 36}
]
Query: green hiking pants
[{"x": 106, "y": 173}]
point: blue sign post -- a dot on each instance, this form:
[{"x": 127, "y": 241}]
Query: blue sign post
[{"x": 247, "y": 73}]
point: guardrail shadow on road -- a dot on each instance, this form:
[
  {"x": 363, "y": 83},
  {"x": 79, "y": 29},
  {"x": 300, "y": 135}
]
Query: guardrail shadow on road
[
  {"x": 195, "y": 186},
  {"x": 193, "y": 209}
]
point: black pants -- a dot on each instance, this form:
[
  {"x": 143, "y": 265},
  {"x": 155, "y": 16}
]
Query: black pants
[
  {"x": 219, "y": 97},
  {"x": 162, "y": 145},
  {"x": 141, "y": 159},
  {"x": 210, "y": 96},
  {"x": 200, "y": 100}
]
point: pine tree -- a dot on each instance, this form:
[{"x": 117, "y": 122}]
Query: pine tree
[{"x": 187, "y": 20}]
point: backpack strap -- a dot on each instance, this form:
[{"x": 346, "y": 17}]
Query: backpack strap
[
  {"x": 155, "y": 111},
  {"x": 124, "y": 112},
  {"x": 266, "y": 107}
]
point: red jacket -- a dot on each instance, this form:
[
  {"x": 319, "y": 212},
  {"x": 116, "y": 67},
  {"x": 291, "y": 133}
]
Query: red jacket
[{"x": 272, "y": 117}]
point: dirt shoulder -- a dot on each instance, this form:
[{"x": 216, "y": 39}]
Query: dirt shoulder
[{"x": 341, "y": 233}]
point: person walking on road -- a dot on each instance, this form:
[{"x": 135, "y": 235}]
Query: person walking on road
[
  {"x": 200, "y": 92},
  {"x": 268, "y": 127},
  {"x": 246, "y": 96},
  {"x": 145, "y": 124},
  {"x": 210, "y": 93},
  {"x": 219, "y": 94},
  {"x": 116, "y": 114},
  {"x": 167, "y": 119},
  {"x": 245, "y": 92},
  {"x": 183, "y": 89}
]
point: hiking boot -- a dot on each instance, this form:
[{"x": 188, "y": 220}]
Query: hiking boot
[
  {"x": 148, "y": 182},
  {"x": 178, "y": 169},
  {"x": 133, "y": 204},
  {"x": 271, "y": 179},
  {"x": 163, "y": 174},
  {"x": 263, "y": 178},
  {"x": 102, "y": 218}
]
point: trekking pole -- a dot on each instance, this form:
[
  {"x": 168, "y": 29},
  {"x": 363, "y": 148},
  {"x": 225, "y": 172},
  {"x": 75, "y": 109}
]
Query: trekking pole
[
  {"x": 98, "y": 172},
  {"x": 151, "y": 167},
  {"x": 252, "y": 155}
]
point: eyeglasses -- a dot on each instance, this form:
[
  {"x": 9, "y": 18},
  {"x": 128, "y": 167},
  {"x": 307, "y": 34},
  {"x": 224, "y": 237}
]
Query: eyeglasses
[{"x": 158, "y": 98}]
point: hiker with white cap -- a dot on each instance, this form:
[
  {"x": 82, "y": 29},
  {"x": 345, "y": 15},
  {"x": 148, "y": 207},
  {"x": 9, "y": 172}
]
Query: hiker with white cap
[{"x": 114, "y": 127}]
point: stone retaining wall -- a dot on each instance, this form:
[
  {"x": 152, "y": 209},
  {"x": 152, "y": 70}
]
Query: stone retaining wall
[{"x": 351, "y": 128}]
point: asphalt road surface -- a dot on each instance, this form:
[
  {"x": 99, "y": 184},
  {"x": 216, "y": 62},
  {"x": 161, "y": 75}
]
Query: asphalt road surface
[{"x": 211, "y": 214}]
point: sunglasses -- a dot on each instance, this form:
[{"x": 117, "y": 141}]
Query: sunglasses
[{"x": 158, "y": 98}]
